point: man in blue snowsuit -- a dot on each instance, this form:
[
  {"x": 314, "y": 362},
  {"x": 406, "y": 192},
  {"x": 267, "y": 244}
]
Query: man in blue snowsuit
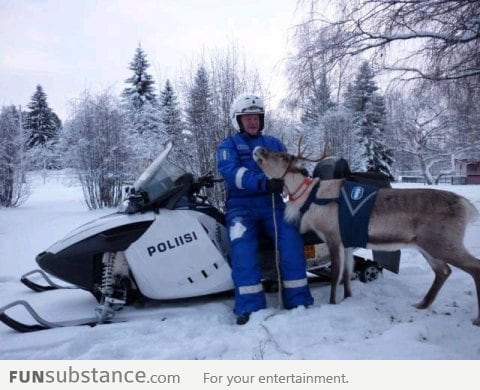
[{"x": 249, "y": 208}]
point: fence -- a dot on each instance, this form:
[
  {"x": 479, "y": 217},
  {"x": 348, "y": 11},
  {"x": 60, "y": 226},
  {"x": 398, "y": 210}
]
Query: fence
[{"x": 444, "y": 179}]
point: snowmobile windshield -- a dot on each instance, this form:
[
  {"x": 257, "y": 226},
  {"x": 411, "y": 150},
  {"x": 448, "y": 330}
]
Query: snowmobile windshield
[{"x": 161, "y": 177}]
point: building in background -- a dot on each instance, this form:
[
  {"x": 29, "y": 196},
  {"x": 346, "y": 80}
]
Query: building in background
[{"x": 468, "y": 169}]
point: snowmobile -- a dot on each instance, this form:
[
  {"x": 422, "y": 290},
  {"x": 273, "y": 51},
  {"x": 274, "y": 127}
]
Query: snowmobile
[{"x": 165, "y": 242}]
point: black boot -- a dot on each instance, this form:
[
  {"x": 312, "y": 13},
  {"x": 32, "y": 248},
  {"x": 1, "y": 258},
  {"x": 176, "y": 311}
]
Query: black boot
[{"x": 242, "y": 319}]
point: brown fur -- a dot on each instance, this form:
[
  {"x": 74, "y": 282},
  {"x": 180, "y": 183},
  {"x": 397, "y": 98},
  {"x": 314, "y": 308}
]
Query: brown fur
[{"x": 432, "y": 221}]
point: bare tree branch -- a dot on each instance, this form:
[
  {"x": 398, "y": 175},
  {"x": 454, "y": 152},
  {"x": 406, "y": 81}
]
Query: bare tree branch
[{"x": 429, "y": 39}]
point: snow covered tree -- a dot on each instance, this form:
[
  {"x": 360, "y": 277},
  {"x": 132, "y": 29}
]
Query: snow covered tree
[
  {"x": 369, "y": 115},
  {"x": 429, "y": 39},
  {"x": 429, "y": 136},
  {"x": 14, "y": 189},
  {"x": 142, "y": 88},
  {"x": 337, "y": 126},
  {"x": 460, "y": 104},
  {"x": 209, "y": 90},
  {"x": 317, "y": 104},
  {"x": 145, "y": 137},
  {"x": 144, "y": 117},
  {"x": 41, "y": 123},
  {"x": 45, "y": 157},
  {"x": 199, "y": 118},
  {"x": 171, "y": 114},
  {"x": 315, "y": 90},
  {"x": 97, "y": 149},
  {"x": 229, "y": 76},
  {"x": 173, "y": 125}
]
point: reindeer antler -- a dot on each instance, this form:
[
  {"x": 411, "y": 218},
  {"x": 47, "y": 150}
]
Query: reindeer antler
[
  {"x": 323, "y": 156},
  {"x": 300, "y": 152}
]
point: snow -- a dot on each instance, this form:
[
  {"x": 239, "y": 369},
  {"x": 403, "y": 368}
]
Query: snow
[{"x": 378, "y": 322}]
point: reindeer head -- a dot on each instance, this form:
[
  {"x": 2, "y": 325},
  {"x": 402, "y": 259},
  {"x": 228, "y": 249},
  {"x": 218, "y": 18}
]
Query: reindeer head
[{"x": 277, "y": 164}]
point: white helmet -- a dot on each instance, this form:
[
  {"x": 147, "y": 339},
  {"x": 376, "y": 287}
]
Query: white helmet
[{"x": 245, "y": 104}]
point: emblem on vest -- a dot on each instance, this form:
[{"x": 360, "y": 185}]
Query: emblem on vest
[
  {"x": 243, "y": 148},
  {"x": 357, "y": 193}
]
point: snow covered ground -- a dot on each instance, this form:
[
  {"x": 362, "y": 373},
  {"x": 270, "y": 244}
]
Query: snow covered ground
[{"x": 378, "y": 322}]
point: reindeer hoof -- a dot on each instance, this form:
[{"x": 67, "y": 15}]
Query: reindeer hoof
[
  {"x": 420, "y": 305},
  {"x": 476, "y": 321}
]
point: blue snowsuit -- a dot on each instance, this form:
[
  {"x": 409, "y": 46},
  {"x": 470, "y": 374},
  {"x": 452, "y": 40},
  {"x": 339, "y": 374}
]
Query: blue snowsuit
[{"x": 249, "y": 207}]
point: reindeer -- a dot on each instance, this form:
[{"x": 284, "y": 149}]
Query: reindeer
[{"x": 433, "y": 221}]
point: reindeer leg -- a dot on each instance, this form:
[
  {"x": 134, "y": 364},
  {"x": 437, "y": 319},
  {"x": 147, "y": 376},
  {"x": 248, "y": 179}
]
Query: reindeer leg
[
  {"x": 347, "y": 273},
  {"x": 476, "y": 278},
  {"x": 442, "y": 272},
  {"x": 459, "y": 257},
  {"x": 471, "y": 265},
  {"x": 337, "y": 258}
]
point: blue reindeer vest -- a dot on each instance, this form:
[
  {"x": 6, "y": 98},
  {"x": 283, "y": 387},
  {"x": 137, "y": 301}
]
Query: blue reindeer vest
[
  {"x": 355, "y": 204},
  {"x": 354, "y": 208}
]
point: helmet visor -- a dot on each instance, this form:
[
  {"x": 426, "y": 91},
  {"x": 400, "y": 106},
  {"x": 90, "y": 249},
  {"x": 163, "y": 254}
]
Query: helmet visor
[{"x": 252, "y": 109}]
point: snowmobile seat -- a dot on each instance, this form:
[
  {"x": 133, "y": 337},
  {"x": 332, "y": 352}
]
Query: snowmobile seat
[
  {"x": 332, "y": 168},
  {"x": 338, "y": 168}
]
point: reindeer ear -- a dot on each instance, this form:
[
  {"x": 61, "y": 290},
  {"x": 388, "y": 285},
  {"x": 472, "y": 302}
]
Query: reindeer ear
[
  {"x": 304, "y": 172},
  {"x": 301, "y": 167}
]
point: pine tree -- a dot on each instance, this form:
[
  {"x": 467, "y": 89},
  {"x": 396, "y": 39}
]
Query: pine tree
[
  {"x": 317, "y": 105},
  {"x": 142, "y": 88},
  {"x": 369, "y": 113},
  {"x": 174, "y": 127},
  {"x": 171, "y": 115},
  {"x": 199, "y": 112},
  {"x": 143, "y": 115},
  {"x": 41, "y": 123}
]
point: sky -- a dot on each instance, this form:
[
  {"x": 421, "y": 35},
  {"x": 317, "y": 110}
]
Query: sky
[{"x": 69, "y": 46}]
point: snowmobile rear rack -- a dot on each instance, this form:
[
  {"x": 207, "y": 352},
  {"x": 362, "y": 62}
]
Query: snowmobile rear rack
[{"x": 51, "y": 285}]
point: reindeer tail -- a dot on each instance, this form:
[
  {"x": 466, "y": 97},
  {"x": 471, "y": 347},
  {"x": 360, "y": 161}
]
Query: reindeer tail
[{"x": 470, "y": 210}]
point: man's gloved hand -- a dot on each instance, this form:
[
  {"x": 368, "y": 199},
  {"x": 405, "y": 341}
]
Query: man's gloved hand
[{"x": 275, "y": 185}]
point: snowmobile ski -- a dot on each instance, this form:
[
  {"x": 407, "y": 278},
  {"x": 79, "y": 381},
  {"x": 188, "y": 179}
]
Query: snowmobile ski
[
  {"x": 43, "y": 324},
  {"x": 51, "y": 285}
]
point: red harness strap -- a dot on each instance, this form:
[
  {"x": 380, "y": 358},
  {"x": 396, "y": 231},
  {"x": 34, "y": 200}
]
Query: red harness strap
[{"x": 300, "y": 190}]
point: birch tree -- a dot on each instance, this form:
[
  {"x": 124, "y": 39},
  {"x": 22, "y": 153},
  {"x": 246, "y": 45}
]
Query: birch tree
[
  {"x": 97, "y": 149},
  {"x": 219, "y": 78},
  {"x": 428, "y": 135},
  {"x": 14, "y": 188},
  {"x": 426, "y": 39}
]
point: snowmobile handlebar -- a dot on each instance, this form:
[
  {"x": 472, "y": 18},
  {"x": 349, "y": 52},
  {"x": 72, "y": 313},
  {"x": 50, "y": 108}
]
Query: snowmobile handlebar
[
  {"x": 137, "y": 201},
  {"x": 206, "y": 181}
]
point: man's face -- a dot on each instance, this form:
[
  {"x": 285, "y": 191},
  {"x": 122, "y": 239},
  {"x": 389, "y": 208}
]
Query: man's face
[{"x": 251, "y": 123}]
